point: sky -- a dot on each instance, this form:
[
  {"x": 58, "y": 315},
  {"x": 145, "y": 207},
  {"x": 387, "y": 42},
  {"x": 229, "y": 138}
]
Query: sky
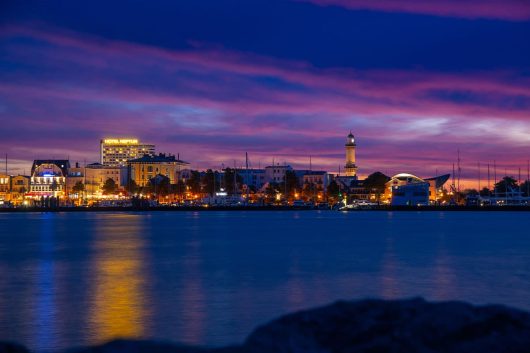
[{"x": 415, "y": 81}]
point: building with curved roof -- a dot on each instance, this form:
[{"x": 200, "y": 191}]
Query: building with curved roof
[{"x": 408, "y": 189}]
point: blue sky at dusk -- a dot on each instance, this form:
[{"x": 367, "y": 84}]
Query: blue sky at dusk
[{"x": 211, "y": 80}]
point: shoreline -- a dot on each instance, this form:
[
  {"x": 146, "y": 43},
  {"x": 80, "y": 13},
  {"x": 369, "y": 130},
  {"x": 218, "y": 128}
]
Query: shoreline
[{"x": 269, "y": 208}]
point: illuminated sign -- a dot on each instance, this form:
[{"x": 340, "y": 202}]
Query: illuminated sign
[{"x": 121, "y": 141}]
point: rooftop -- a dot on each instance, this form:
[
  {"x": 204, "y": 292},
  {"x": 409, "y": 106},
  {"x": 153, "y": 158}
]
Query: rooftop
[{"x": 160, "y": 158}]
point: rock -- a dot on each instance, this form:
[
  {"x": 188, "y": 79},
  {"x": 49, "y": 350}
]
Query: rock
[
  {"x": 406, "y": 326},
  {"x": 368, "y": 326},
  {"x": 145, "y": 346},
  {"x": 9, "y": 347},
  {"x": 137, "y": 346}
]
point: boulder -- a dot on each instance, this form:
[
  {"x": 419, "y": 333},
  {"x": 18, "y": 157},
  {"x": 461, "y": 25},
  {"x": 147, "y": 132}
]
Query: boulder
[
  {"x": 367, "y": 326},
  {"x": 402, "y": 326},
  {"x": 10, "y": 347}
]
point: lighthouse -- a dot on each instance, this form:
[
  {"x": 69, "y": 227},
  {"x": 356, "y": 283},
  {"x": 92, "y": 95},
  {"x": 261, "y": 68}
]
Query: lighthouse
[{"x": 350, "y": 167}]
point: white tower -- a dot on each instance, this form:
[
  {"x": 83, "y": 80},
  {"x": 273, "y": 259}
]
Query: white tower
[{"x": 350, "y": 167}]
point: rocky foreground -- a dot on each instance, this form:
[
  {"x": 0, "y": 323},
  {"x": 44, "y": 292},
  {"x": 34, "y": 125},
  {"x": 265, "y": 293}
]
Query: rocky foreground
[{"x": 367, "y": 326}]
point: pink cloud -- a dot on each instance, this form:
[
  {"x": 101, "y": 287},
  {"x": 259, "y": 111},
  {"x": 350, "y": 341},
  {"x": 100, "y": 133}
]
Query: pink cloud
[
  {"x": 207, "y": 98},
  {"x": 512, "y": 10}
]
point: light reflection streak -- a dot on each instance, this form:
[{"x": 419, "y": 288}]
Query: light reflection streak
[
  {"x": 443, "y": 277},
  {"x": 119, "y": 304},
  {"x": 46, "y": 305},
  {"x": 390, "y": 284},
  {"x": 194, "y": 314}
]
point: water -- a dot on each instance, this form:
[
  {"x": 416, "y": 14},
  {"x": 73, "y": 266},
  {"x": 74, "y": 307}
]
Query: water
[{"x": 209, "y": 278}]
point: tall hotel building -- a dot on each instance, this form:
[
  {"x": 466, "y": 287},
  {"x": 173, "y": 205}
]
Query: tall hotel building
[{"x": 116, "y": 152}]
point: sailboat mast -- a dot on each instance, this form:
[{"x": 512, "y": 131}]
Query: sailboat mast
[
  {"x": 495, "y": 178},
  {"x": 246, "y": 166},
  {"x": 479, "y": 177},
  {"x": 459, "y": 171}
]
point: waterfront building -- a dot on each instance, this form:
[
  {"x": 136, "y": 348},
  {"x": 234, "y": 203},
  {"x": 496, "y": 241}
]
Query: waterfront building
[
  {"x": 97, "y": 174},
  {"x": 350, "y": 167},
  {"x": 253, "y": 178},
  {"x": 75, "y": 174},
  {"x": 48, "y": 177},
  {"x": 19, "y": 187},
  {"x": 320, "y": 178},
  {"x": 436, "y": 186},
  {"x": 142, "y": 170},
  {"x": 116, "y": 152},
  {"x": 4, "y": 186},
  {"x": 407, "y": 189},
  {"x": 20, "y": 184},
  {"x": 276, "y": 173}
]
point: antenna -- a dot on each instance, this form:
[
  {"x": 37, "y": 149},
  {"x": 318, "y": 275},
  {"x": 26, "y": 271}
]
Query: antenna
[
  {"x": 479, "y": 177},
  {"x": 489, "y": 178},
  {"x": 495, "y": 177},
  {"x": 459, "y": 171},
  {"x": 453, "y": 175},
  {"x": 235, "y": 179},
  {"x": 248, "y": 179},
  {"x": 520, "y": 184}
]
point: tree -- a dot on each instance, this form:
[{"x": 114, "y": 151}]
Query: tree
[
  {"x": 179, "y": 188},
  {"x": 376, "y": 183},
  {"x": 333, "y": 190},
  {"x": 290, "y": 182},
  {"x": 160, "y": 184},
  {"x": 308, "y": 191},
  {"x": 209, "y": 183},
  {"x": 109, "y": 187},
  {"x": 271, "y": 191},
  {"x": 230, "y": 175},
  {"x": 485, "y": 192},
  {"x": 79, "y": 187},
  {"x": 470, "y": 192},
  {"x": 132, "y": 187},
  {"x": 54, "y": 186},
  {"x": 525, "y": 188},
  {"x": 507, "y": 184},
  {"x": 194, "y": 182}
]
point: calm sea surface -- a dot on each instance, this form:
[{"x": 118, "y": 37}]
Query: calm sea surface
[{"x": 209, "y": 278}]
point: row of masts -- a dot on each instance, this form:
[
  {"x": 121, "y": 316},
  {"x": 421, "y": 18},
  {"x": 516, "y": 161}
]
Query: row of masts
[
  {"x": 456, "y": 176},
  {"x": 491, "y": 172}
]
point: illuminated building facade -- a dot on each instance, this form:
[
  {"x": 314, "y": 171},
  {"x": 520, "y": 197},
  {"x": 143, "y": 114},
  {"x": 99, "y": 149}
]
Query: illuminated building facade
[
  {"x": 350, "y": 167},
  {"x": 276, "y": 173},
  {"x": 75, "y": 174},
  {"x": 96, "y": 174},
  {"x": 116, "y": 152},
  {"x": 409, "y": 190},
  {"x": 142, "y": 170},
  {"x": 320, "y": 178},
  {"x": 253, "y": 178},
  {"x": 4, "y": 186},
  {"x": 20, "y": 184},
  {"x": 48, "y": 177}
]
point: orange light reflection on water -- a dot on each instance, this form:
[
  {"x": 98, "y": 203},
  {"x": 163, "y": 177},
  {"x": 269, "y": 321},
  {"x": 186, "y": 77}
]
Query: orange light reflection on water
[{"x": 119, "y": 307}]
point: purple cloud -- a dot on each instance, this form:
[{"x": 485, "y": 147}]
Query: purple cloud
[
  {"x": 511, "y": 10},
  {"x": 211, "y": 105}
]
